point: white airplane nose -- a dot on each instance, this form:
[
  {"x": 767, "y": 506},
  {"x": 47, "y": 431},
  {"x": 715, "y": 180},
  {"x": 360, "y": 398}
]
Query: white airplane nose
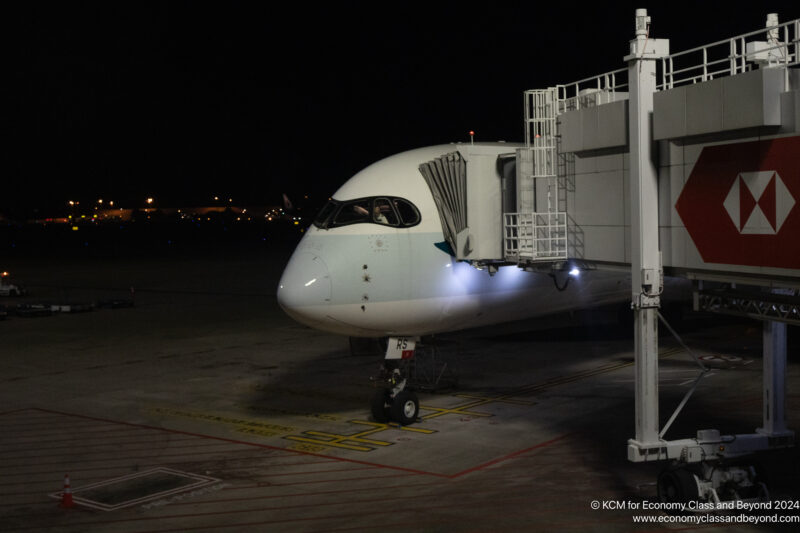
[{"x": 304, "y": 291}]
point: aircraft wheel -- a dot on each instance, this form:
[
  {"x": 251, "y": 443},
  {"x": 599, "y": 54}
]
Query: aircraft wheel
[
  {"x": 677, "y": 485},
  {"x": 380, "y": 406},
  {"x": 405, "y": 408}
]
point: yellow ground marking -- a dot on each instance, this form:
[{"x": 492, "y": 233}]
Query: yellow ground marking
[
  {"x": 243, "y": 424},
  {"x": 259, "y": 432},
  {"x": 303, "y": 447},
  {"x": 381, "y": 427},
  {"x": 290, "y": 412},
  {"x": 496, "y": 399},
  {"x": 528, "y": 389},
  {"x": 355, "y": 441},
  {"x": 458, "y": 410}
]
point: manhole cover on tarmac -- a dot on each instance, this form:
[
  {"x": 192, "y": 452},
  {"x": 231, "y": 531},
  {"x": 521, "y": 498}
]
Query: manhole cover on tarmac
[{"x": 137, "y": 488}]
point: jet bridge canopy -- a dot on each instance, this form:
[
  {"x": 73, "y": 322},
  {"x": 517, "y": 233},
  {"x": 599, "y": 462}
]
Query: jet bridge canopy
[{"x": 468, "y": 186}]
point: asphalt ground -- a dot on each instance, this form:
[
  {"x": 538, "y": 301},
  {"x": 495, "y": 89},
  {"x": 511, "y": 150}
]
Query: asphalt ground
[{"x": 204, "y": 408}]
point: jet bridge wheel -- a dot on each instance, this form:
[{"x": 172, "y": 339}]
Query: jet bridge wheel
[
  {"x": 677, "y": 485},
  {"x": 405, "y": 408},
  {"x": 381, "y": 406}
]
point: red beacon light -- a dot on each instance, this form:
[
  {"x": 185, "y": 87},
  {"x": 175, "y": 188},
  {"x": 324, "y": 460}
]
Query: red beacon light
[{"x": 471, "y": 137}]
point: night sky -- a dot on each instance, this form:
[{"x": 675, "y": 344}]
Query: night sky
[{"x": 182, "y": 101}]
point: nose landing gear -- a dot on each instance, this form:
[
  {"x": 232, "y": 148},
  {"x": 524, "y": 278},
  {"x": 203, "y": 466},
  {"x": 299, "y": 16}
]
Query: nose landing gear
[{"x": 392, "y": 401}]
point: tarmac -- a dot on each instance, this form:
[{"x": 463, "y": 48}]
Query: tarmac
[{"x": 204, "y": 408}]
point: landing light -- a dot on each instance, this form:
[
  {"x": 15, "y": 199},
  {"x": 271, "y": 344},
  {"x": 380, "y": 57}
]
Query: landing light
[
  {"x": 575, "y": 272},
  {"x": 310, "y": 282}
]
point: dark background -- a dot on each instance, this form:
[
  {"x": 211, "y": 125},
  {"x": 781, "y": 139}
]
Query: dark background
[{"x": 182, "y": 101}]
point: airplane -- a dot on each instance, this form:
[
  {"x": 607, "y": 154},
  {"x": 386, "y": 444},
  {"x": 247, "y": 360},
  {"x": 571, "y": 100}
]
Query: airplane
[{"x": 375, "y": 264}]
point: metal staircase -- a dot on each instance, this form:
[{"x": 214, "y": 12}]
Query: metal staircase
[{"x": 537, "y": 232}]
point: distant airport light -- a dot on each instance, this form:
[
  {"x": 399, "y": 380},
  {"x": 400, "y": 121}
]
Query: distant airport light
[
  {"x": 99, "y": 200},
  {"x": 216, "y": 198},
  {"x": 575, "y": 272},
  {"x": 71, "y": 202},
  {"x": 74, "y": 228},
  {"x": 149, "y": 200},
  {"x": 111, "y": 202}
]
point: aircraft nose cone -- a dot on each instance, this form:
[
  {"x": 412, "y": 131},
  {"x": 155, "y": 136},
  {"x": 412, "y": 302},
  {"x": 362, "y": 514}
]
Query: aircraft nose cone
[{"x": 304, "y": 291}]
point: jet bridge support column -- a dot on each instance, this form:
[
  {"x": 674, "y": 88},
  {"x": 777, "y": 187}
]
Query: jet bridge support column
[
  {"x": 774, "y": 387},
  {"x": 646, "y": 275}
]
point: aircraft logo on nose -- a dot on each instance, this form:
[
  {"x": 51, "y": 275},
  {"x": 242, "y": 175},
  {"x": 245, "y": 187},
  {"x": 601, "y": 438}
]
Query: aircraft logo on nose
[{"x": 759, "y": 202}]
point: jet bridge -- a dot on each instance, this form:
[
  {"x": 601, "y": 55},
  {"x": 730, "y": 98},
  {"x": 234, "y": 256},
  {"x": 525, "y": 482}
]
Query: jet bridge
[
  {"x": 688, "y": 163},
  {"x": 685, "y": 164}
]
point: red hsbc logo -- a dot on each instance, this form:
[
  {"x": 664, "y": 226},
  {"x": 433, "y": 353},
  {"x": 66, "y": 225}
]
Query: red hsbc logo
[{"x": 739, "y": 204}]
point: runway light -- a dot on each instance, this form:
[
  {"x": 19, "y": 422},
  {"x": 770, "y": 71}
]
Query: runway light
[
  {"x": 575, "y": 272},
  {"x": 311, "y": 282}
]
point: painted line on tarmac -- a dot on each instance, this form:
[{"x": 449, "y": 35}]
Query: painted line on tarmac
[
  {"x": 317, "y": 441},
  {"x": 355, "y": 441},
  {"x": 513, "y": 455},
  {"x": 246, "y": 443},
  {"x": 243, "y": 425}
]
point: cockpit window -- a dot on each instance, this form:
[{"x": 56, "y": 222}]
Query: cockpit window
[
  {"x": 325, "y": 213},
  {"x": 352, "y": 213},
  {"x": 386, "y": 211},
  {"x": 408, "y": 213},
  {"x": 382, "y": 212}
]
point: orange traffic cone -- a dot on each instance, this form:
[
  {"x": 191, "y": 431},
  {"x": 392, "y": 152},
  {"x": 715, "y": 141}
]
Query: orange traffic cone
[{"x": 66, "y": 496}]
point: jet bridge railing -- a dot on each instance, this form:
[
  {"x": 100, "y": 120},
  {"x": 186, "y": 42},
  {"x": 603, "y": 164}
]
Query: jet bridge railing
[
  {"x": 535, "y": 236},
  {"x": 594, "y": 91},
  {"x": 733, "y": 56}
]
